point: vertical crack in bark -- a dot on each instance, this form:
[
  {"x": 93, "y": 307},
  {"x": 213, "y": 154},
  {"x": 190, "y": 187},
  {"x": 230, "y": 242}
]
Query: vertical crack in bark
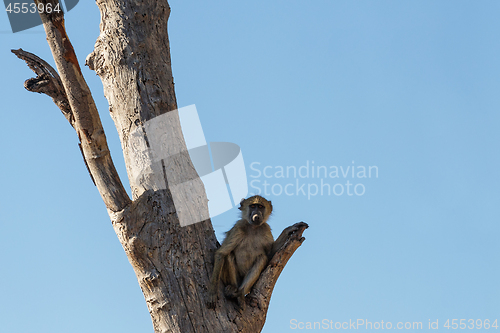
[
  {"x": 186, "y": 304},
  {"x": 204, "y": 256}
]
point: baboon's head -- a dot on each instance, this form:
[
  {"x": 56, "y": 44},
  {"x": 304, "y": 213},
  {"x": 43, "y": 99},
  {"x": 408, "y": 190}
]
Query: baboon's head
[{"x": 256, "y": 209}]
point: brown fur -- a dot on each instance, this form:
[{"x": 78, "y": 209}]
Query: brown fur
[{"x": 245, "y": 252}]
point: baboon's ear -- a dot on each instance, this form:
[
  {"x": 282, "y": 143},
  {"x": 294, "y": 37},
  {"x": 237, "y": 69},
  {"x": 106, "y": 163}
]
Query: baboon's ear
[{"x": 241, "y": 203}]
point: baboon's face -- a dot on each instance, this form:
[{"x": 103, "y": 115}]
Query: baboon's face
[
  {"x": 255, "y": 210},
  {"x": 256, "y": 214}
]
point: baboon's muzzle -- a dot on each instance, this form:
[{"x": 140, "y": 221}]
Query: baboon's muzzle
[{"x": 256, "y": 218}]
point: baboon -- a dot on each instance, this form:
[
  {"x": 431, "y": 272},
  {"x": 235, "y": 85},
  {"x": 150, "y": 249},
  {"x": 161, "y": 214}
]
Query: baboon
[{"x": 245, "y": 251}]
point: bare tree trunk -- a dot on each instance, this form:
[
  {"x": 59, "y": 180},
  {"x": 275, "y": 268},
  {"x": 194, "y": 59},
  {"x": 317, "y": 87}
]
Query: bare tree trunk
[{"x": 172, "y": 263}]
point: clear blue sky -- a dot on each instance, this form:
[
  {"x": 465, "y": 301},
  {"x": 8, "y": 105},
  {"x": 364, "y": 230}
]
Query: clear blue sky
[{"x": 411, "y": 87}]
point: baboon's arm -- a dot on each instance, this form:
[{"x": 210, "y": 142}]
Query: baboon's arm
[{"x": 232, "y": 239}]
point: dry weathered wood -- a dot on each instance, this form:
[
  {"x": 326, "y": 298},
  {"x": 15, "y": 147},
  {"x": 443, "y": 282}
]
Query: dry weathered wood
[
  {"x": 135, "y": 69},
  {"x": 85, "y": 118},
  {"x": 173, "y": 263},
  {"x": 46, "y": 82}
]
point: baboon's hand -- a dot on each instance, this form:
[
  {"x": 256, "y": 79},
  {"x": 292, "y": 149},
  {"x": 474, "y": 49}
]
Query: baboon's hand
[
  {"x": 231, "y": 291},
  {"x": 212, "y": 300}
]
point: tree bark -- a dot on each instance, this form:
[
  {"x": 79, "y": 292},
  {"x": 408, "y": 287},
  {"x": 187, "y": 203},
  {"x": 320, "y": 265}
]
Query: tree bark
[{"x": 173, "y": 263}]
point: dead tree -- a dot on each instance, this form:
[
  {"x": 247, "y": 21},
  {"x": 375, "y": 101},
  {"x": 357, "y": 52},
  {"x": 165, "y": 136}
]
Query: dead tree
[{"x": 173, "y": 264}]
